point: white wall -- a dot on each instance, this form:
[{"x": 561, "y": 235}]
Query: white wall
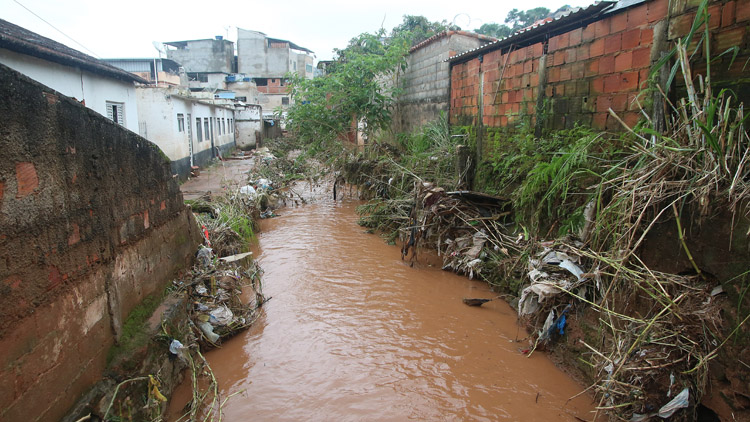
[
  {"x": 95, "y": 90},
  {"x": 158, "y": 108}
]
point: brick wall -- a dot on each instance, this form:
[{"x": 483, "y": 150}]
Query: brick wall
[
  {"x": 91, "y": 222},
  {"x": 577, "y": 76}
]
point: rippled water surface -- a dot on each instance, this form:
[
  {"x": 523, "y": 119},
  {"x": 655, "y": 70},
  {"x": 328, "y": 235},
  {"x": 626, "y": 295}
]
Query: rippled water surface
[{"x": 353, "y": 333}]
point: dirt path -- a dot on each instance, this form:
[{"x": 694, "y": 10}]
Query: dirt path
[{"x": 217, "y": 178}]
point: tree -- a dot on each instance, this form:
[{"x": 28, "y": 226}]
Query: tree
[
  {"x": 494, "y": 30},
  {"x": 417, "y": 28},
  {"x": 355, "y": 89},
  {"x": 514, "y": 21},
  {"x": 520, "y": 19}
]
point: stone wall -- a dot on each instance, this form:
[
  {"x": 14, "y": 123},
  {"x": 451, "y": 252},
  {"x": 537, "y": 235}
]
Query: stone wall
[
  {"x": 91, "y": 222},
  {"x": 577, "y": 76}
]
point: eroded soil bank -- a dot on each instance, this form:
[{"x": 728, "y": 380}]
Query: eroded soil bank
[{"x": 353, "y": 333}]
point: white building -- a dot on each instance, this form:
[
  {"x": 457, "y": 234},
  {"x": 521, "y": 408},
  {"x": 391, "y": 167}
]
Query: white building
[
  {"x": 99, "y": 86},
  {"x": 190, "y": 131}
]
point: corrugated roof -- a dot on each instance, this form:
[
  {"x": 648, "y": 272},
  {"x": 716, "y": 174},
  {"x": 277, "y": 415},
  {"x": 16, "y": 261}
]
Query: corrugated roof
[
  {"x": 440, "y": 35},
  {"x": 544, "y": 28},
  {"x": 291, "y": 44},
  {"x": 21, "y": 40}
]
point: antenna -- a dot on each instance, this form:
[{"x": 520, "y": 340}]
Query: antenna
[{"x": 159, "y": 46}]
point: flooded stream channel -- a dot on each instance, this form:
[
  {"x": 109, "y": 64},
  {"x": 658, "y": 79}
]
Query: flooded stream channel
[{"x": 353, "y": 333}]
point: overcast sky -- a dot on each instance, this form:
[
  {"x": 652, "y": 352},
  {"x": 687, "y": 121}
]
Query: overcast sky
[{"x": 116, "y": 30}]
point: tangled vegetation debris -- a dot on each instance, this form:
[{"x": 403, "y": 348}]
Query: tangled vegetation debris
[{"x": 562, "y": 226}]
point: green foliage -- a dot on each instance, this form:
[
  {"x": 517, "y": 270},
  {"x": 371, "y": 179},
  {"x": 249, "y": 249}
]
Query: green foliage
[
  {"x": 417, "y": 28},
  {"x": 360, "y": 86},
  {"x": 515, "y": 20},
  {"x": 494, "y": 30}
]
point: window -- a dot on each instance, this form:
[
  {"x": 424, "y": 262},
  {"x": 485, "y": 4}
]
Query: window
[
  {"x": 116, "y": 112},
  {"x": 206, "y": 128},
  {"x": 224, "y": 124},
  {"x": 180, "y": 122},
  {"x": 231, "y": 125},
  {"x": 197, "y": 77},
  {"x": 198, "y": 130},
  {"x": 295, "y": 65},
  {"x": 284, "y": 100},
  {"x": 308, "y": 68}
]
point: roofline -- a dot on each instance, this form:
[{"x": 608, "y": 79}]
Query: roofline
[
  {"x": 543, "y": 31},
  {"x": 49, "y": 53},
  {"x": 172, "y": 43},
  {"x": 443, "y": 34}
]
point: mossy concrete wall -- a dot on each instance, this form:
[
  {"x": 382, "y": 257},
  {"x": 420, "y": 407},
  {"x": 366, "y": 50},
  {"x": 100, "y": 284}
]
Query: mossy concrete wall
[{"x": 91, "y": 222}]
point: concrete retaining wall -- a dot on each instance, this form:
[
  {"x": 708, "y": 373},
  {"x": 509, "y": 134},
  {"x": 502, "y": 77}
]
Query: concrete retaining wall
[{"x": 91, "y": 222}]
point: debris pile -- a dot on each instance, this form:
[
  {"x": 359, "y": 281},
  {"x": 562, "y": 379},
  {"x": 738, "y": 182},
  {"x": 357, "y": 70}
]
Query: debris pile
[{"x": 215, "y": 291}]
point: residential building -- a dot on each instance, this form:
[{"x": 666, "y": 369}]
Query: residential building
[
  {"x": 207, "y": 62},
  {"x": 189, "y": 130},
  {"x": 99, "y": 86},
  {"x": 268, "y": 61},
  {"x": 157, "y": 71}
]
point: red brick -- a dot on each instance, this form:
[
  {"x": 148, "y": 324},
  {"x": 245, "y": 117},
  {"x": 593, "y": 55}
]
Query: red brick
[
  {"x": 619, "y": 22},
  {"x": 643, "y": 77},
  {"x": 577, "y": 70},
  {"x": 566, "y": 73},
  {"x": 552, "y": 44},
  {"x": 576, "y": 36},
  {"x": 599, "y": 121},
  {"x": 528, "y": 66},
  {"x": 657, "y": 10},
  {"x": 624, "y": 61},
  {"x": 631, "y": 118},
  {"x": 603, "y": 103},
  {"x": 742, "y": 12},
  {"x": 613, "y": 124},
  {"x": 613, "y": 43},
  {"x": 558, "y": 58},
  {"x": 631, "y": 39},
  {"x": 27, "y": 179},
  {"x": 619, "y": 102},
  {"x": 564, "y": 40},
  {"x": 597, "y": 86},
  {"x": 647, "y": 36},
  {"x": 727, "y": 14},
  {"x": 570, "y": 55},
  {"x": 730, "y": 38},
  {"x": 629, "y": 81},
  {"x": 714, "y": 16},
  {"x": 612, "y": 83},
  {"x": 679, "y": 26},
  {"x": 641, "y": 57},
  {"x": 606, "y": 65},
  {"x": 554, "y": 74},
  {"x": 601, "y": 28},
  {"x": 534, "y": 80},
  {"x": 589, "y": 33},
  {"x": 637, "y": 16},
  {"x": 538, "y": 50},
  {"x": 75, "y": 235},
  {"x": 582, "y": 52},
  {"x": 559, "y": 90},
  {"x": 548, "y": 91},
  {"x": 597, "y": 48},
  {"x": 592, "y": 68}
]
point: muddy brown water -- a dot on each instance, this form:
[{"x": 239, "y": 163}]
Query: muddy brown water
[{"x": 352, "y": 333}]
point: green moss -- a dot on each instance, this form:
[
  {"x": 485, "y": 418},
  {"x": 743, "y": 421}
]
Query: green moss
[{"x": 135, "y": 333}]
